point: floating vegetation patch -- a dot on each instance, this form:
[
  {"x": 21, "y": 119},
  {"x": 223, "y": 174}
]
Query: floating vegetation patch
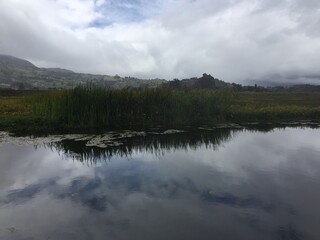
[
  {"x": 110, "y": 139},
  {"x": 117, "y": 138}
]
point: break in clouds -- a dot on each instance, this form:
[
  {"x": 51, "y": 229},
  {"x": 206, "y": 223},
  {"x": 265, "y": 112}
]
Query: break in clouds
[{"x": 234, "y": 40}]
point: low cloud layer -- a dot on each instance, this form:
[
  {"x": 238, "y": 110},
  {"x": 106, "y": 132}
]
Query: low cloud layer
[{"x": 233, "y": 40}]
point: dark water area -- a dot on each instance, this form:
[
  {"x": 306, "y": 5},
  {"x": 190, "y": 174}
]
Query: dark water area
[{"x": 222, "y": 184}]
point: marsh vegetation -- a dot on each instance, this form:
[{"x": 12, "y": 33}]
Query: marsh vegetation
[{"x": 83, "y": 109}]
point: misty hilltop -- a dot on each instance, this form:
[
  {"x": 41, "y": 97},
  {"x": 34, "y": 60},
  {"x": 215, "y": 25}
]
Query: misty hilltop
[{"x": 18, "y": 73}]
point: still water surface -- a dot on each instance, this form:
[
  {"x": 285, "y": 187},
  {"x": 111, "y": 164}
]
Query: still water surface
[{"x": 224, "y": 184}]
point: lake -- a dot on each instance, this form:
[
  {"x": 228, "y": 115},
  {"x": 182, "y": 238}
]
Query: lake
[{"x": 199, "y": 184}]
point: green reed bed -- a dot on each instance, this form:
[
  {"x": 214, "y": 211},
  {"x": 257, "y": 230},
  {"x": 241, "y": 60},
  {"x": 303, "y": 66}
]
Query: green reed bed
[
  {"x": 98, "y": 108},
  {"x": 83, "y": 109}
]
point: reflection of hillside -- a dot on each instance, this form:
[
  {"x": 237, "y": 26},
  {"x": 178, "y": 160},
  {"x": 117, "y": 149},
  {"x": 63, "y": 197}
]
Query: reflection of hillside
[{"x": 151, "y": 143}]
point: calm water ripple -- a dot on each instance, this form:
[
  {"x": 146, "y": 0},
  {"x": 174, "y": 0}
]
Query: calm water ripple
[{"x": 222, "y": 184}]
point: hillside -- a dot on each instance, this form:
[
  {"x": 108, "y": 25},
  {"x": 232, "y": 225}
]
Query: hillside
[
  {"x": 18, "y": 73},
  {"x": 13, "y": 63},
  {"x": 204, "y": 82}
]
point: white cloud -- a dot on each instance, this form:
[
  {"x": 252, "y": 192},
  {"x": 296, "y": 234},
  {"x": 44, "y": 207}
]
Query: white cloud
[{"x": 233, "y": 40}]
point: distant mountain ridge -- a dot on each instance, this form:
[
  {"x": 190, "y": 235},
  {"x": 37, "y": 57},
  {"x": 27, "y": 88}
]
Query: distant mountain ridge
[{"x": 18, "y": 73}]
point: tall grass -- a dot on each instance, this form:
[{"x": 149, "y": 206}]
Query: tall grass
[
  {"x": 99, "y": 108},
  {"x": 83, "y": 109},
  {"x": 266, "y": 106}
]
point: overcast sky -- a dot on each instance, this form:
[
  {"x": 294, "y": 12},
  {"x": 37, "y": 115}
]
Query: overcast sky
[{"x": 234, "y": 40}]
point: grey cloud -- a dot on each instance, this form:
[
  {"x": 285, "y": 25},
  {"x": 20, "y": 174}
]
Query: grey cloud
[{"x": 233, "y": 40}]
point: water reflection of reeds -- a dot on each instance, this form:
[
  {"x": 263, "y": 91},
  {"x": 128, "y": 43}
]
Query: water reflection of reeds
[{"x": 151, "y": 143}]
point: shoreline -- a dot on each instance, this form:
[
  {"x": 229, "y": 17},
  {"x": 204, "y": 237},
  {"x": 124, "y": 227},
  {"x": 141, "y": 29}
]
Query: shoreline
[{"x": 25, "y": 129}]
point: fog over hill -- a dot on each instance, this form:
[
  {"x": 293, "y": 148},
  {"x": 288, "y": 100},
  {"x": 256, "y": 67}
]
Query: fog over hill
[
  {"x": 18, "y": 73},
  {"x": 12, "y": 63}
]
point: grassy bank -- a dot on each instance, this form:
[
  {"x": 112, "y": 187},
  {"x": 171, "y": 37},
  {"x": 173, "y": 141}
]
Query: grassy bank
[
  {"x": 84, "y": 109},
  {"x": 275, "y": 106}
]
